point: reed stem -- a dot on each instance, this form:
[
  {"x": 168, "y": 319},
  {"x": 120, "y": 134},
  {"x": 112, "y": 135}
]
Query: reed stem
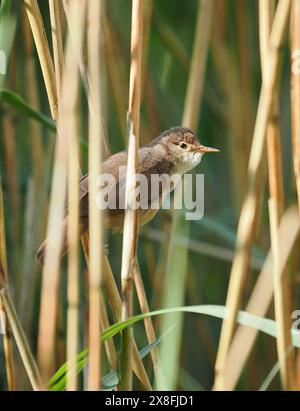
[
  {"x": 130, "y": 236},
  {"x": 295, "y": 91},
  {"x": 57, "y": 43},
  {"x": 7, "y": 341},
  {"x": 41, "y": 43},
  {"x": 21, "y": 341},
  {"x": 77, "y": 14},
  {"x": 276, "y": 206},
  {"x": 246, "y": 224},
  {"x": 95, "y": 12}
]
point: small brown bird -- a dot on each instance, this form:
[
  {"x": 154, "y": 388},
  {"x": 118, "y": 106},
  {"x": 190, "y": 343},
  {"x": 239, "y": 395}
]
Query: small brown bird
[{"x": 175, "y": 151}]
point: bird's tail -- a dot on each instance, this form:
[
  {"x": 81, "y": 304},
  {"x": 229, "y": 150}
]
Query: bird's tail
[{"x": 41, "y": 252}]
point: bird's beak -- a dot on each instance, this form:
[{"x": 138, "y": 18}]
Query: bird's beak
[{"x": 203, "y": 149}]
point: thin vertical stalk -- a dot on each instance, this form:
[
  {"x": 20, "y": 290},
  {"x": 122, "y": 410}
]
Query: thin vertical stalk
[
  {"x": 95, "y": 10},
  {"x": 130, "y": 237},
  {"x": 147, "y": 14},
  {"x": 109, "y": 282},
  {"x": 21, "y": 341},
  {"x": 86, "y": 79},
  {"x": 148, "y": 324},
  {"x": 46, "y": 341},
  {"x": 72, "y": 71},
  {"x": 109, "y": 344},
  {"x": 260, "y": 300},
  {"x": 295, "y": 112},
  {"x": 57, "y": 44},
  {"x": 283, "y": 326},
  {"x": 34, "y": 199},
  {"x": 245, "y": 76},
  {"x": 177, "y": 256},
  {"x": 7, "y": 341},
  {"x": 116, "y": 306},
  {"x": 231, "y": 87},
  {"x": 295, "y": 91},
  {"x": 41, "y": 43},
  {"x": 246, "y": 225},
  {"x": 276, "y": 205},
  {"x": 198, "y": 64},
  {"x": 33, "y": 99}
]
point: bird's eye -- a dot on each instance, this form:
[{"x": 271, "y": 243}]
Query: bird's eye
[{"x": 183, "y": 145}]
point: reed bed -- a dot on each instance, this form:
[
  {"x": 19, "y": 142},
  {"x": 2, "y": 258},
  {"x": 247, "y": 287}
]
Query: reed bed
[
  {"x": 249, "y": 211},
  {"x": 223, "y": 68}
]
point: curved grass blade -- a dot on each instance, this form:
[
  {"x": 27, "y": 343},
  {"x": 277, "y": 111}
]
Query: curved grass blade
[
  {"x": 265, "y": 325},
  {"x": 16, "y": 101},
  {"x": 109, "y": 381}
]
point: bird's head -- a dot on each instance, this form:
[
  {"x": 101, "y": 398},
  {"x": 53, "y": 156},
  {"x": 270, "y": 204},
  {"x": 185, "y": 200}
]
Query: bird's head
[{"x": 183, "y": 146}]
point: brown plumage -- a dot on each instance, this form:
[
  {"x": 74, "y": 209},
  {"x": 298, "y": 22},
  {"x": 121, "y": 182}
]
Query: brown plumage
[{"x": 162, "y": 156}]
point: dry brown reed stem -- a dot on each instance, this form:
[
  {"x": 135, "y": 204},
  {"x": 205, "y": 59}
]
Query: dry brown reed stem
[
  {"x": 198, "y": 64},
  {"x": 130, "y": 236},
  {"x": 148, "y": 324},
  {"x": 243, "y": 23},
  {"x": 282, "y": 293},
  {"x": 232, "y": 89},
  {"x": 77, "y": 15},
  {"x": 260, "y": 299},
  {"x": 104, "y": 321},
  {"x": 116, "y": 306},
  {"x": 41, "y": 43},
  {"x": 46, "y": 341},
  {"x": 86, "y": 80},
  {"x": 147, "y": 13},
  {"x": 109, "y": 344},
  {"x": 33, "y": 196},
  {"x": 7, "y": 341},
  {"x": 246, "y": 225},
  {"x": 283, "y": 324},
  {"x": 21, "y": 341},
  {"x": 109, "y": 282},
  {"x": 57, "y": 43},
  {"x": 295, "y": 112},
  {"x": 33, "y": 99},
  {"x": 295, "y": 91},
  {"x": 94, "y": 38}
]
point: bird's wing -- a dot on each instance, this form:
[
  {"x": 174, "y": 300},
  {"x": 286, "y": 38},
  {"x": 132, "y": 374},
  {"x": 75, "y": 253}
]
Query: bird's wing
[
  {"x": 109, "y": 166},
  {"x": 116, "y": 187}
]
